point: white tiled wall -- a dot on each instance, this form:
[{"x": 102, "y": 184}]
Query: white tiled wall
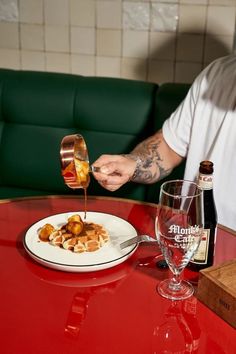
[{"x": 152, "y": 40}]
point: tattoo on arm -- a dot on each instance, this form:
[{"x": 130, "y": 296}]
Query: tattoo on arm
[{"x": 150, "y": 165}]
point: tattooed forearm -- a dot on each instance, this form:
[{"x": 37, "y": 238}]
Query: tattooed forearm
[{"x": 151, "y": 165}]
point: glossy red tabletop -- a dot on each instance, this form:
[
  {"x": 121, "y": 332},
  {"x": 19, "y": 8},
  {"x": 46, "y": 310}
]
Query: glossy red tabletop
[{"x": 112, "y": 311}]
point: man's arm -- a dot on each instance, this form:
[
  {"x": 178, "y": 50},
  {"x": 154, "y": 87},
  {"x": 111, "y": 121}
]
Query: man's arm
[
  {"x": 154, "y": 159},
  {"x": 150, "y": 161}
]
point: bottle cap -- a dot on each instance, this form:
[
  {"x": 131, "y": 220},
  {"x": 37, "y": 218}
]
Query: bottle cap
[{"x": 206, "y": 167}]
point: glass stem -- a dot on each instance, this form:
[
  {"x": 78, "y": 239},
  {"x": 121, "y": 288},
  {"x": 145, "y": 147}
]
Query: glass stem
[{"x": 175, "y": 283}]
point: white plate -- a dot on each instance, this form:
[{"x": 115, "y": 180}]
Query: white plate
[{"x": 58, "y": 258}]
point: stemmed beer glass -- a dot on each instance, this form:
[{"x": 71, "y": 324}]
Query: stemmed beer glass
[{"x": 179, "y": 224}]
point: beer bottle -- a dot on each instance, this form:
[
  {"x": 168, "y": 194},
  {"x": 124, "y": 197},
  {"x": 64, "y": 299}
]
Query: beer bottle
[{"x": 204, "y": 255}]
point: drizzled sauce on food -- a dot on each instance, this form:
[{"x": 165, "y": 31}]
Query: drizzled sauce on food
[{"x": 76, "y": 235}]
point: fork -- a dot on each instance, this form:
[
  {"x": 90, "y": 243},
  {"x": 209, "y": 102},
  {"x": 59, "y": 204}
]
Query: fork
[{"x": 137, "y": 239}]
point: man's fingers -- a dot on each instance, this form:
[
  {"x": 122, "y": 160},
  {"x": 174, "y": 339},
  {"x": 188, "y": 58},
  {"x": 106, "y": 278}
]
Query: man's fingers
[
  {"x": 115, "y": 179},
  {"x": 110, "y": 187}
]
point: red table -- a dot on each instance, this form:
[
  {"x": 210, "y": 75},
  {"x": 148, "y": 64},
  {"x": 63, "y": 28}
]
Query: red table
[{"x": 112, "y": 311}]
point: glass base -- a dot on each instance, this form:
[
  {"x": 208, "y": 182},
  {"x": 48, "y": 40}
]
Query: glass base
[{"x": 167, "y": 290}]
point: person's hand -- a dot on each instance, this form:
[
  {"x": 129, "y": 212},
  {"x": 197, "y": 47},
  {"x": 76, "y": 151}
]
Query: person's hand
[{"x": 114, "y": 170}]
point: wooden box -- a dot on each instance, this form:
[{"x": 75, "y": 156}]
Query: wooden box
[{"x": 217, "y": 290}]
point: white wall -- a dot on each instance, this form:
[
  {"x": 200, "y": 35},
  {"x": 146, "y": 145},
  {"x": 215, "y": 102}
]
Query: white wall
[{"x": 158, "y": 41}]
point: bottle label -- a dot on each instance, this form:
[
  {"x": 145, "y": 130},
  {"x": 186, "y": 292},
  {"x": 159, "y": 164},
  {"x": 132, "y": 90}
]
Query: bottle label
[
  {"x": 205, "y": 181},
  {"x": 201, "y": 255}
]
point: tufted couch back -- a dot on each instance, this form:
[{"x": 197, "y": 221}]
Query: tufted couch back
[{"x": 37, "y": 109}]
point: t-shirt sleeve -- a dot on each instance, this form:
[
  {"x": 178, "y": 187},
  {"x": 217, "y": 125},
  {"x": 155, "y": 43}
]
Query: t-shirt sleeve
[{"x": 177, "y": 129}]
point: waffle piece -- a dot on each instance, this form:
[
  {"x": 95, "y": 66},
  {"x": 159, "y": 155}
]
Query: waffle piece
[
  {"x": 70, "y": 243},
  {"x": 79, "y": 247},
  {"x": 57, "y": 238},
  {"x": 92, "y": 245}
]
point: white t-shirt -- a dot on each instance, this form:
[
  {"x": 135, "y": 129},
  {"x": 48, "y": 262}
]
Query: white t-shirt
[{"x": 204, "y": 128}]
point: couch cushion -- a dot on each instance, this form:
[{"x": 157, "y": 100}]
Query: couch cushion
[
  {"x": 38, "y": 98},
  {"x": 10, "y": 192},
  {"x": 115, "y": 105},
  {"x": 38, "y": 109},
  {"x": 30, "y": 157}
]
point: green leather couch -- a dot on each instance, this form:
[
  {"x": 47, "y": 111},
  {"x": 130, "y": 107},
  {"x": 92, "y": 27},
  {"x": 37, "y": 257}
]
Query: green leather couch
[{"x": 37, "y": 109}]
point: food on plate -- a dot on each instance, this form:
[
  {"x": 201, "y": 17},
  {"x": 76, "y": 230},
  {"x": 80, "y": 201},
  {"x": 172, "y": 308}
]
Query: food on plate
[
  {"x": 75, "y": 235},
  {"x": 56, "y": 238},
  {"x": 45, "y": 232},
  {"x": 74, "y": 227},
  {"x": 76, "y": 218}
]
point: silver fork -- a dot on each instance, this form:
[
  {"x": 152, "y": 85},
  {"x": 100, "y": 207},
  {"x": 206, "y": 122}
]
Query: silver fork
[{"x": 137, "y": 239}]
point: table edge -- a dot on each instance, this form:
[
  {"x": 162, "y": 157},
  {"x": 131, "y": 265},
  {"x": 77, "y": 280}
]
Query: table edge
[
  {"x": 126, "y": 200},
  {"x": 64, "y": 196}
]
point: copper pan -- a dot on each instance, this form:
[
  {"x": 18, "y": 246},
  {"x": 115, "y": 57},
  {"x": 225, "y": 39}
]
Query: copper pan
[{"x": 75, "y": 166}]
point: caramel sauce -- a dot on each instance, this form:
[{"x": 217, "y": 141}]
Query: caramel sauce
[
  {"x": 85, "y": 203},
  {"x": 76, "y": 236}
]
